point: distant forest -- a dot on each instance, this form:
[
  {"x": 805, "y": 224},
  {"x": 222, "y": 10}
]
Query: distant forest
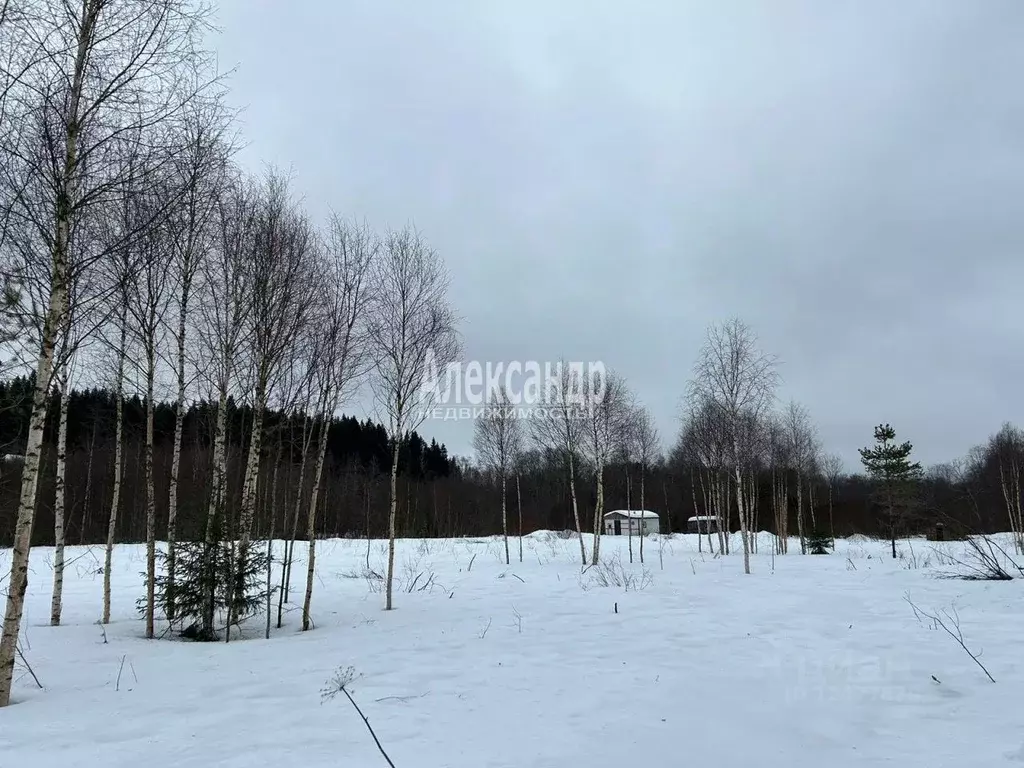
[{"x": 439, "y": 495}]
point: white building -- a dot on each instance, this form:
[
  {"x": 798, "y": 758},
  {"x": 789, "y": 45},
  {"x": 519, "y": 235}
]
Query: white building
[{"x": 622, "y": 522}]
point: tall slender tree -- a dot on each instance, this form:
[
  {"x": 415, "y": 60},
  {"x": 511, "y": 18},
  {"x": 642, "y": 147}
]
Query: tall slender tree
[
  {"x": 733, "y": 377},
  {"x": 342, "y": 347},
  {"x": 889, "y": 463},
  {"x": 498, "y": 440},
  {"x": 413, "y": 337}
]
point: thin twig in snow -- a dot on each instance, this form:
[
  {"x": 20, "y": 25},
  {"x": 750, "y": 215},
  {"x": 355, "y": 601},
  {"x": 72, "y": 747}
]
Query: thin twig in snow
[
  {"x": 28, "y": 666},
  {"x": 117, "y": 683},
  {"x": 950, "y": 623}
]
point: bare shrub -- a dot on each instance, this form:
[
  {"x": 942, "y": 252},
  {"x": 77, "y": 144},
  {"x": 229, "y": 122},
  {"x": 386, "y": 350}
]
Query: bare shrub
[
  {"x": 985, "y": 560},
  {"x": 612, "y": 573}
]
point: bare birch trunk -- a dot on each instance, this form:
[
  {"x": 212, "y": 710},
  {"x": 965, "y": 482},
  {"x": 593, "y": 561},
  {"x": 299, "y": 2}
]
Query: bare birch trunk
[
  {"x": 629, "y": 505},
  {"x": 504, "y": 518},
  {"x": 368, "y": 539},
  {"x": 811, "y": 504},
  {"x": 668, "y": 510},
  {"x": 1010, "y": 482},
  {"x": 392, "y": 518},
  {"x": 88, "y": 484},
  {"x": 59, "y": 503},
  {"x": 314, "y": 495},
  {"x": 118, "y": 469},
  {"x": 598, "y": 513},
  {"x": 800, "y": 511},
  {"x": 696, "y": 514},
  {"x": 726, "y": 510},
  {"x": 251, "y": 477},
  {"x": 642, "y": 508},
  {"x": 741, "y": 508},
  {"x": 215, "y": 509},
  {"x": 715, "y": 483},
  {"x": 286, "y": 574},
  {"x": 831, "y": 519},
  {"x": 576, "y": 508},
  {"x": 519, "y": 502},
  {"x": 270, "y": 533},
  {"x": 150, "y": 499},
  {"x": 55, "y": 317},
  {"x": 18, "y": 582},
  {"x": 753, "y": 506},
  {"x": 172, "y": 495}
]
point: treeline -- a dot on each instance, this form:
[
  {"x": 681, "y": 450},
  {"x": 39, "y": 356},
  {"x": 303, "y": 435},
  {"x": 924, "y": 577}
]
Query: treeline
[
  {"x": 438, "y": 495},
  {"x": 358, "y": 457}
]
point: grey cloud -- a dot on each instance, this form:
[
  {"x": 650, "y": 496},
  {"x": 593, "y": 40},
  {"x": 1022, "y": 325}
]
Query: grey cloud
[{"x": 604, "y": 183}]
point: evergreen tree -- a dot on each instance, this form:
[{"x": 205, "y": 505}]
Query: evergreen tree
[
  {"x": 889, "y": 463},
  {"x": 819, "y": 542}
]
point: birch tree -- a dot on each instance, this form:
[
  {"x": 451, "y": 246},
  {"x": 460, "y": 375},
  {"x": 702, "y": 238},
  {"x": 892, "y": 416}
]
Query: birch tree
[
  {"x": 607, "y": 419},
  {"x": 646, "y": 450},
  {"x": 351, "y": 265},
  {"x": 115, "y": 501},
  {"x": 413, "y": 336},
  {"x": 148, "y": 302},
  {"x": 498, "y": 440},
  {"x": 559, "y": 425},
  {"x": 780, "y": 462},
  {"x": 705, "y": 442},
  {"x": 738, "y": 380},
  {"x": 833, "y": 467},
  {"x": 107, "y": 67},
  {"x": 222, "y": 336},
  {"x": 282, "y": 281},
  {"x": 63, "y": 393},
  {"x": 1007, "y": 446},
  {"x": 199, "y": 167},
  {"x": 800, "y": 433}
]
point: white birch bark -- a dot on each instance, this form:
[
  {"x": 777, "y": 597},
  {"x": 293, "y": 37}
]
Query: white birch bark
[
  {"x": 18, "y": 581},
  {"x": 150, "y": 499},
  {"x": 800, "y": 510},
  {"x": 55, "y": 318},
  {"x": 308, "y": 430},
  {"x": 59, "y": 502},
  {"x": 504, "y": 519},
  {"x": 598, "y": 512},
  {"x": 643, "y": 502},
  {"x": 118, "y": 469},
  {"x": 519, "y": 502},
  {"x": 392, "y": 520},
  {"x": 629, "y": 505},
  {"x": 576, "y": 509},
  {"x": 179, "y": 424},
  {"x": 314, "y": 496},
  {"x": 742, "y": 509}
]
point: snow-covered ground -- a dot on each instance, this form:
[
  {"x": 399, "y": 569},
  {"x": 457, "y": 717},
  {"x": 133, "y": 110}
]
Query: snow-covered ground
[{"x": 808, "y": 661}]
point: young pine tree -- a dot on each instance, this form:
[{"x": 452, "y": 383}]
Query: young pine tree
[{"x": 889, "y": 464}]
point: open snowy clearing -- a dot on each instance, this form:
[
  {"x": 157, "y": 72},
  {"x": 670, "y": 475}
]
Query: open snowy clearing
[{"x": 815, "y": 661}]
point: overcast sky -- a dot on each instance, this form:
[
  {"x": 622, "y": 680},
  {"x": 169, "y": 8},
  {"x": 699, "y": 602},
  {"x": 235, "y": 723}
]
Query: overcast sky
[{"x": 605, "y": 179}]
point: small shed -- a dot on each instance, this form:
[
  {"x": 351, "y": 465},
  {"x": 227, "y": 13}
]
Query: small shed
[
  {"x": 622, "y": 522},
  {"x": 702, "y": 524}
]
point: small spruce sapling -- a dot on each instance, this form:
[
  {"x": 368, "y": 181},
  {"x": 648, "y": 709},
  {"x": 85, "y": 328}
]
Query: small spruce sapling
[{"x": 819, "y": 543}]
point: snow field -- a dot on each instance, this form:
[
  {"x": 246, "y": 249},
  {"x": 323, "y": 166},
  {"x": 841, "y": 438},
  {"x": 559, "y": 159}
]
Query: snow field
[{"x": 808, "y": 661}]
